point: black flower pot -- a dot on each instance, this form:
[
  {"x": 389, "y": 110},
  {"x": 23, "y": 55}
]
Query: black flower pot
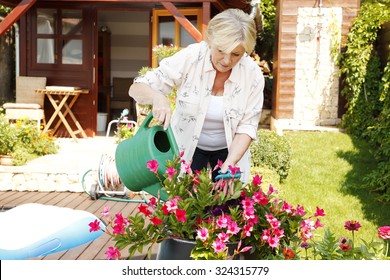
[{"x": 180, "y": 249}]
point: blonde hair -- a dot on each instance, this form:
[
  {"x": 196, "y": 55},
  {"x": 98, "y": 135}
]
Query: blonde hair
[{"x": 231, "y": 28}]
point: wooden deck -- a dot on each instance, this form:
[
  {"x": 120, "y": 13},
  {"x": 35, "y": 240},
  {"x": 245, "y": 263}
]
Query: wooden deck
[{"x": 94, "y": 250}]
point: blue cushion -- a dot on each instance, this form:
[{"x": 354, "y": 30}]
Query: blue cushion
[{"x": 35, "y": 230}]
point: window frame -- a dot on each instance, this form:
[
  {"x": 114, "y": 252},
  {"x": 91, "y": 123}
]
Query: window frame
[{"x": 157, "y": 13}]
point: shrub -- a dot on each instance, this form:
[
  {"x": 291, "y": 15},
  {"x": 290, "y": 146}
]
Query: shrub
[
  {"x": 272, "y": 151},
  {"x": 366, "y": 88},
  {"x": 23, "y": 141}
]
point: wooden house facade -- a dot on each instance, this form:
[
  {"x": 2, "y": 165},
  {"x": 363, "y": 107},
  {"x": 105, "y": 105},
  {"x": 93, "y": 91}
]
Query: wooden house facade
[
  {"x": 101, "y": 45},
  {"x": 90, "y": 44}
]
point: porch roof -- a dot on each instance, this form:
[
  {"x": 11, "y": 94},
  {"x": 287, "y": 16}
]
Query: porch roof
[{"x": 22, "y": 6}]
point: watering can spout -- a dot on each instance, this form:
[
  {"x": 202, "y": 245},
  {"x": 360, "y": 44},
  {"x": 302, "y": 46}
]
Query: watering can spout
[{"x": 132, "y": 155}]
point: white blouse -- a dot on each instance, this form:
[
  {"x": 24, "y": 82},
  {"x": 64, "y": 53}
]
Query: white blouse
[{"x": 191, "y": 72}]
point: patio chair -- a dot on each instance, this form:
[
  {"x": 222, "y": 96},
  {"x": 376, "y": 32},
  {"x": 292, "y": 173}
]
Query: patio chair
[
  {"x": 120, "y": 97},
  {"x": 28, "y": 105}
]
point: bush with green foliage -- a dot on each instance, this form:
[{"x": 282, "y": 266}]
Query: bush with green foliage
[
  {"x": 23, "y": 141},
  {"x": 272, "y": 151},
  {"x": 366, "y": 88}
]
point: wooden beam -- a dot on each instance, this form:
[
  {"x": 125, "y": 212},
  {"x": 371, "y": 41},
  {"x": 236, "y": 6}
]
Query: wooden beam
[
  {"x": 205, "y": 16},
  {"x": 15, "y": 15},
  {"x": 220, "y": 5},
  {"x": 183, "y": 21}
]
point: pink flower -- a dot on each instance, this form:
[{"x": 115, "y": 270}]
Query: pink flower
[
  {"x": 259, "y": 197},
  {"x": 266, "y": 235},
  {"x": 384, "y": 232},
  {"x": 234, "y": 170},
  {"x": 152, "y": 165},
  {"x": 257, "y": 180},
  {"x": 249, "y": 213},
  {"x": 106, "y": 211},
  {"x": 152, "y": 202},
  {"x": 352, "y": 225},
  {"x": 202, "y": 234},
  {"x": 219, "y": 164},
  {"x": 185, "y": 167},
  {"x": 223, "y": 237},
  {"x": 286, "y": 207},
  {"x": 223, "y": 221},
  {"x": 171, "y": 171},
  {"x": 273, "y": 241},
  {"x": 218, "y": 246},
  {"x": 247, "y": 229},
  {"x": 247, "y": 202},
  {"x": 94, "y": 226},
  {"x": 118, "y": 229},
  {"x": 233, "y": 228},
  {"x": 171, "y": 205},
  {"x": 113, "y": 253},
  {"x": 119, "y": 219},
  {"x": 318, "y": 224},
  {"x": 300, "y": 211},
  {"x": 181, "y": 215}
]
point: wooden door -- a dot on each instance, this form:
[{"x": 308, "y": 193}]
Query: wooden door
[{"x": 60, "y": 45}]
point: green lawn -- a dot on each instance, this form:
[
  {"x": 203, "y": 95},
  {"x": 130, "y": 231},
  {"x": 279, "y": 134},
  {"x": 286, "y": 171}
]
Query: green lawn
[{"x": 327, "y": 170}]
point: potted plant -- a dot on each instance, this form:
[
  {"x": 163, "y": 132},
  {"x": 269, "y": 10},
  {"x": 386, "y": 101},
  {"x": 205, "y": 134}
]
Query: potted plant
[{"x": 222, "y": 220}]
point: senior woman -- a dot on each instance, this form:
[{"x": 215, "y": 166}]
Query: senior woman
[{"x": 219, "y": 94}]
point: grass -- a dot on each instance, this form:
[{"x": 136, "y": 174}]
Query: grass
[{"x": 327, "y": 171}]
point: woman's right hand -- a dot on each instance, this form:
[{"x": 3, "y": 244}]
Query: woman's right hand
[{"x": 161, "y": 110}]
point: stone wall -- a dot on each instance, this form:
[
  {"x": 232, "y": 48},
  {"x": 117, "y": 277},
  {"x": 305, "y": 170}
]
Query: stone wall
[{"x": 316, "y": 74}]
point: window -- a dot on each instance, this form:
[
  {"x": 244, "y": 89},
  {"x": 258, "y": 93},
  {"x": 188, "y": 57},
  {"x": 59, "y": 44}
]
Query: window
[
  {"x": 168, "y": 31},
  {"x": 59, "y": 36}
]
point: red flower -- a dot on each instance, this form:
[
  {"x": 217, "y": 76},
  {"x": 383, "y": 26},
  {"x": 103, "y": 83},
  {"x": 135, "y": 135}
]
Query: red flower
[
  {"x": 352, "y": 225},
  {"x": 156, "y": 221},
  {"x": 181, "y": 215},
  {"x": 144, "y": 210},
  {"x": 319, "y": 212},
  {"x": 288, "y": 254},
  {"x": 94, "y": 226},
  {"x": 345, "y": 247},
  {"x": 384, "y": 232}
]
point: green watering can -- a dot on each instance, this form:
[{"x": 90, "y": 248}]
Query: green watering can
[{"x": 132, "y": 155}]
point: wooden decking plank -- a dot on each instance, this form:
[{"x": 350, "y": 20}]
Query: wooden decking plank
[
  {"x": 76, "y": 200},
  {"x": 5, "y": 194},
  {"x": 65, "y": 198},
  {"x": 34, "y": 198},
  {"x": 47, "y": 198},
  {"x": 8, "y": 202}
]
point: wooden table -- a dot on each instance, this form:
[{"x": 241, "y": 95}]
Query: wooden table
[{"x": 63, "y": 101}]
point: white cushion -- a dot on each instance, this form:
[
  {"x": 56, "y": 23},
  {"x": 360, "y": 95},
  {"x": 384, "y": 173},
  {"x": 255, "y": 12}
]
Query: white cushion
[{"x": 21, "y": 106}]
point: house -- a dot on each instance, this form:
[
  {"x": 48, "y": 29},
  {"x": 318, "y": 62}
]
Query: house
[
  {"x": 101, "y": 45},
  {"x": 89, "y": 44}
]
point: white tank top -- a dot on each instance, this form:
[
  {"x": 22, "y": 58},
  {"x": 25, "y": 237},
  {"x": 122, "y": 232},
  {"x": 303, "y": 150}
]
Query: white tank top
[{"x": 212, "y": 137}]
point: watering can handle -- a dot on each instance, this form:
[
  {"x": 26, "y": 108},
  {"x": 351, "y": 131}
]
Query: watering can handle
[{"x": 171, "y": 137}]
